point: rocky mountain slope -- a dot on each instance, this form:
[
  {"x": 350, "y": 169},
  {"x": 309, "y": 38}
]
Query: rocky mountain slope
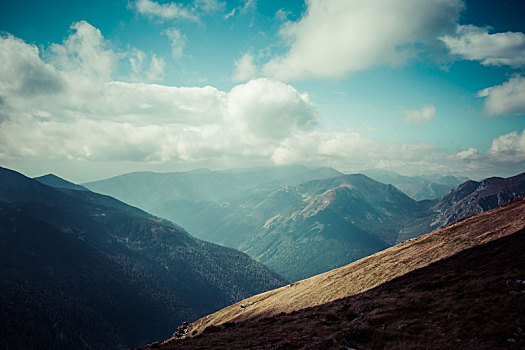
[
  {"x": 332, "y": 222},
  {"x": 85, "y": 271},
  {"x": 474, "y": 197},
  {"x": 458, "y": 287}
]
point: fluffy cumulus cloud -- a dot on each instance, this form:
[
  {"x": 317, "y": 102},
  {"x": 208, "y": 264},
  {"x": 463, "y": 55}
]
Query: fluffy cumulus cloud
[
  {"x": 337, "y": 37},
  {"x": 71, "y": 107},
  {"x": 476, "y": 44},
  {"x": 506, "y": 155},
  {"x": 269, "y": 109},
  {"x": 419, "y": 116},
  {"x": 508, "y": 148},
  {"x": 64, "y": 105},
  {"x": 23, "y": 73},
  {"x": 507, "y": 98},
  {"x": 85, "y": 52}
]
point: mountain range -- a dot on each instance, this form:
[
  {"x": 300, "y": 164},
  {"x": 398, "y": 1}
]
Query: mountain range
[
  {"x": 80, "y": 270},
  {"x": 458, "y": 287},
  {"x": 299, "y": 221},
  {"x": 420, "y": 187}
]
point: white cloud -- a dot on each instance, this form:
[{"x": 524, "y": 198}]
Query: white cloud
[
  {"x": 245, "y": 7},
  {"x": 507, "y": 98},
  {"x": 141, "y": 71},
  {"x": 475, "y": 43},
  {"x": 337, "y": 37},
  {"x": 281, "y": 15},
  {"x": 70, "y": 108},
  {"x": 73, "y": 109},
  {"x": 245, "y": 68},
  {"x": 85, "y": 52},
  {"x": 505, "y": 156},
  {"x": 468, "y": 154},
  {"x": 210, "y": 6},
  {"x": 508, "y": 148},
  {"x": 418, "y": 116},
  {"x": 260, "y": 122},
  {"x": 167, "y": 11},
  {"x": 231, "y": 13},
  {"x": 177, "y": 40},
  {"x": 248, "y": 6},
  {"x": 351, "y": 150},
  {"x": 269, "y": 109},
  {"x": 23, "y": 73}
]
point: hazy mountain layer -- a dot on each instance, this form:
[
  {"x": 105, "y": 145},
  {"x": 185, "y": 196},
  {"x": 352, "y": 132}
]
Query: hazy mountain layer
[
  {"x": 417, "y": 187},
  {"x": 304, "y": 228},
  {"x": 85, "y": 271},
  {"x": 216, "y": 206}
]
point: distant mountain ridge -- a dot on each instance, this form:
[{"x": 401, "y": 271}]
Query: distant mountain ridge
[
  {"x": 474, "y": 197},
  {"x": 417, "y": 187},
  {"x": 57, "y": 182},
  {"x": 335, "y": 221},
  {"x": 285, "y": 218},
  {"x": 85, "y": 271}
]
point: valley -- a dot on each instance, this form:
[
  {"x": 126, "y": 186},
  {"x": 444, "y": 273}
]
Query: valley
[
  {"x": 83, "y": 270},
  {"x": 283, "y": 217}
]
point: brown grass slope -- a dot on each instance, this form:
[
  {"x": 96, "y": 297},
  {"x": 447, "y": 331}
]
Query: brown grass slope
[
  {"x": 474, "y": 299},
  {"x": 375, "y": 270}
]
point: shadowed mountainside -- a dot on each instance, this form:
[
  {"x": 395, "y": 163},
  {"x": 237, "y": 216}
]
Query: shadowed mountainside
[
  {"x": 85, "y": 271},
  {"x": 474, "y": 197},
  {"x": 472, "y": 299},
  {"x": 57, "y": 182},
  {"x": 377, "y": 269}
]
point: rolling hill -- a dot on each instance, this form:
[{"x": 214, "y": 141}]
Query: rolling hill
[
  {"x": 458, "y": 287},
  {"x": 86, "y": 271}
]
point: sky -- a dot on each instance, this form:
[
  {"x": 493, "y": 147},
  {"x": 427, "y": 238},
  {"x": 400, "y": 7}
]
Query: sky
[{"x": 92, "y": 89}]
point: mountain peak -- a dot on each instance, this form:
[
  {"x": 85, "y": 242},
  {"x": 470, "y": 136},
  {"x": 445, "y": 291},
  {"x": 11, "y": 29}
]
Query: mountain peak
[{"x": 58, "y": 182}]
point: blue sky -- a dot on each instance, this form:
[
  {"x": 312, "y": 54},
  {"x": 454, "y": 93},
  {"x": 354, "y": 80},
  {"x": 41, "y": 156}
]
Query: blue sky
[{"x": 94, "y": 89}]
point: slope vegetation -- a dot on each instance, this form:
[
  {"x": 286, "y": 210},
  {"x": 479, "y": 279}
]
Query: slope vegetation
[
  {"x": 470, "y": 300},
  {"x": 374, "y": 270}
]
